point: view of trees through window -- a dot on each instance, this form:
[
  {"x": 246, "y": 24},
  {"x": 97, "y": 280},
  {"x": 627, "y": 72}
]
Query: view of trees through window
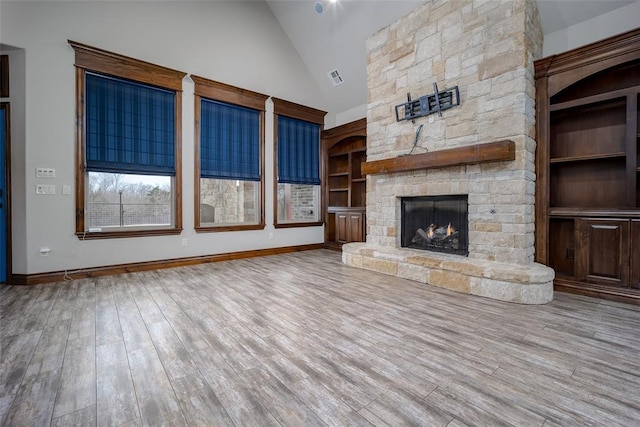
[{"x": 125, "y": 200}]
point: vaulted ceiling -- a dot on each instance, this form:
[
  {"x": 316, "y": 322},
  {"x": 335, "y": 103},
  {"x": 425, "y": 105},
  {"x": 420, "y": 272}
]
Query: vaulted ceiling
[{"x": 335, "y": 38}]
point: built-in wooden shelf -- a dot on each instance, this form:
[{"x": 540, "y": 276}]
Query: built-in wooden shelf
[
  {"x": 587, "y": 168},
  {"x": 473, "y": 154},
  {"x": 588, "y": 157},
  {"x": 344, "y": 149},
  {"x": 335, "y": 209},
  {"x": 594, "y": 99},
  {"x": 593, "y": 213}
]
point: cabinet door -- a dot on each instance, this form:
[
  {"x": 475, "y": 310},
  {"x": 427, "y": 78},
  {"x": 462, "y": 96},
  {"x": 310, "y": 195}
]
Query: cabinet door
[
  {"x": 342, "y": 227},
  {"x": 349, "y": 227},
  {"x": 604, "y": 252},
  {"x": 635, "y": 254},
  {"x": 356, "y": 227}
]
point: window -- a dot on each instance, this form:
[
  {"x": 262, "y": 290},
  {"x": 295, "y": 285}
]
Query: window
[
  {"x": 297, "y": 164},
  {"x": 229, "y": 152},
  {"x": 128, "y": 162},
  {"x": 122, "y": 201}
]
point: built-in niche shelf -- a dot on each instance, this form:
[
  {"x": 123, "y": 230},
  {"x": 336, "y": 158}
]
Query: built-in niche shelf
[
  {"x": 504, "y": 150},
  {"x": 345, "y": 148},
  {"x": 588, "y": 157}
]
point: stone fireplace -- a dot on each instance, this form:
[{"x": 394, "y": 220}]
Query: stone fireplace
[{"x": 482, "y": 150}]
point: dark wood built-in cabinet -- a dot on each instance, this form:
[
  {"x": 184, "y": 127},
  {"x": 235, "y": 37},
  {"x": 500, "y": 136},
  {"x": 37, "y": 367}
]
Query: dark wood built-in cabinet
[
  {"x": 603, "y": 252},
  {"x": 349, "y": 226},
  {"x": 588, "y": 168},
  {"x": 345, "y": 193},
  {"x": 635, "y": 254}
]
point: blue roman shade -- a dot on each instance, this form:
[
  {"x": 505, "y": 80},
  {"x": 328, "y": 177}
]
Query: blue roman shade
[
  {"x": 129, "y": 127},
  {"x": 298, "y": 151},
  {"x": 229, "y": 141}
]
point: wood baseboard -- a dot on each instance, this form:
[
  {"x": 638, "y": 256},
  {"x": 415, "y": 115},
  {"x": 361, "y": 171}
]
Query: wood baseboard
[
  {"x": 334, "y": 246},
  {"x": 58, "y": 276},
  {"x": 629, "y": 296}
]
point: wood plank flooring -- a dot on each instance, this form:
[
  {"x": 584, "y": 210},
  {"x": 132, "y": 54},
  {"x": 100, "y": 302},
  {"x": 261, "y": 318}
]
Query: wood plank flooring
[{"x": 301, "y": 340}]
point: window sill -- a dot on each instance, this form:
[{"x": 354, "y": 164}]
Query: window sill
[
  {"x": 126, "y": 234},
  {"x": 219, "y": 228},
  {"x": 299, "y": 224}
]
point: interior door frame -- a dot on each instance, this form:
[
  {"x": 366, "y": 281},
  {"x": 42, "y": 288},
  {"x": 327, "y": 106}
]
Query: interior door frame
[{"x": 4, "y": 109}]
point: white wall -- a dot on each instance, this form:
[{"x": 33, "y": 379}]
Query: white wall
[
  {"x": 356, "y": 113},
  {"x": 609, "y": 24},
  {"x": 238, "y": 43}
]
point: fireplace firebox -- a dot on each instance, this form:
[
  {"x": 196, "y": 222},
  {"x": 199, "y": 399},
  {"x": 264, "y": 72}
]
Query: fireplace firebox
[{"x": 436, "y": 223}]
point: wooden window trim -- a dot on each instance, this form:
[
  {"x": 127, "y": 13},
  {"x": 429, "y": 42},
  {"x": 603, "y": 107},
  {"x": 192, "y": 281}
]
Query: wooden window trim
[
  {"x": 230, "y": 94},
  {"x": 209, "y": 89},
  {"x": 300, "y": 112},
  {"x": 227, "y": 227},
  {"x": 297, "y": 111},
  {"x": 4, "y": 84},
  {"x": 105, "y": 62},
  {"x": 297, "y": 224},
  {"x": 88, "y": 58}
]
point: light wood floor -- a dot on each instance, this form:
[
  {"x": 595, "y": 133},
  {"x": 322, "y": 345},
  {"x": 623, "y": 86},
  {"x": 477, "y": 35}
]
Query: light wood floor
[{"x": 300, "y": 339}]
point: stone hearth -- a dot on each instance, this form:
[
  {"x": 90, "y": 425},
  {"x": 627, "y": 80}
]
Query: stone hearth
[
  {"x": 526, "y": 284},
  {"x": 487, "y": 49}
]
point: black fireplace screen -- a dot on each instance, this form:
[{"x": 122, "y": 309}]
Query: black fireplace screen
[{"x": 438, "y": 223}]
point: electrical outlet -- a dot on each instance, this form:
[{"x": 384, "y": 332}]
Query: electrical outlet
[
  {"x": 185, "y": 242},
  {"x": 48, "y": 173}
]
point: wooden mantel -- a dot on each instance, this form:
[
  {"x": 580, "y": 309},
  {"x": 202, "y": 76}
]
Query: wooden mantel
[{"x": 479, "y": 153}]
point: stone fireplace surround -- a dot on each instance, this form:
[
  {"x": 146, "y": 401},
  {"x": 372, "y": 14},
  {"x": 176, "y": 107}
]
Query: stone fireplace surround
[{"x": 486, "y": 48}]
